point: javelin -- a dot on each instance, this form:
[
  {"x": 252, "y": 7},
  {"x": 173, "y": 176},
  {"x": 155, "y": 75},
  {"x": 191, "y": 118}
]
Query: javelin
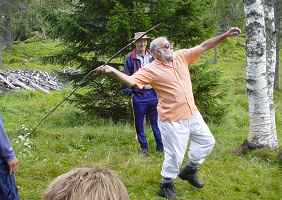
[{"x": 89, "y": 73}]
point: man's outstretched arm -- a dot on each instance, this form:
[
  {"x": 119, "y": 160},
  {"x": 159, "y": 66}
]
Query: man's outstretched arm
[
  {"x": 210, "y": 43},
  {"x": 105, "y": 69}
]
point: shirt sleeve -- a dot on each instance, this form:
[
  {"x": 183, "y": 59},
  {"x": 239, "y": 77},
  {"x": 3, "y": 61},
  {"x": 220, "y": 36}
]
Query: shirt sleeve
[
  {"x": 192, "y": 54},
  {"x": 6, "y": 151},
  {"x": 126, "y": 70},
  {"x": 142, "y": 77}
]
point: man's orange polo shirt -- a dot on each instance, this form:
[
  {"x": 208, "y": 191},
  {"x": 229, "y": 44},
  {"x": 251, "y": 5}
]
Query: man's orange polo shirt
[{"x": 172, "y": 85}]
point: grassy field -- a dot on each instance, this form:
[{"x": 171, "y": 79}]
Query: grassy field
[{"x": 69, "y": 139}]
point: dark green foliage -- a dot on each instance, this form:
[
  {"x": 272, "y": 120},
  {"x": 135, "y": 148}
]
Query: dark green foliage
[
  {"x": 25, "y": 16},
  {"x": 102, "y": 95},
  {"x": 92, "y": 29},
  {"x": 105, "y": 100},
  {"x": 106, "y": 26},
  {"x": 230, "y": 13},
  {"x": 209, "y": 91},
  {"x": 188, "y": 25}
]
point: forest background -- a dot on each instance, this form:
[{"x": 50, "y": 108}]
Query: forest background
[{"x": 71, "y": 137}]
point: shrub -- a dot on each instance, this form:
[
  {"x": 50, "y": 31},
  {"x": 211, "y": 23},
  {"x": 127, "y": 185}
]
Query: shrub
[{"x": 209, "y": 90}]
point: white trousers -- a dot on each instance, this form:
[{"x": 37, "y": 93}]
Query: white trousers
[{"x": 175, "y": 136}]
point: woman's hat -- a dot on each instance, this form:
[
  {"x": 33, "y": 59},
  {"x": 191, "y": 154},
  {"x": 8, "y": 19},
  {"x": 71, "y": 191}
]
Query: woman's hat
[{"x": 138, "y": 34}]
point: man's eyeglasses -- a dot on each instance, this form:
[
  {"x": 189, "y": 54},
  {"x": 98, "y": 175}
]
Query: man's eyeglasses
[{"x": 166, "y": 46}]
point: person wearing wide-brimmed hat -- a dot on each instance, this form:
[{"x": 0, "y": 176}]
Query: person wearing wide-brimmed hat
[{"x": 144, "y": 101}]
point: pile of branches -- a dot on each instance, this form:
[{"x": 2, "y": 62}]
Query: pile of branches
[{"x": 31, "y": 79}]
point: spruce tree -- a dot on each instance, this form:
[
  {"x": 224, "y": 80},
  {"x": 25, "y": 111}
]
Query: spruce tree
[{"x": 92, "y": 30}]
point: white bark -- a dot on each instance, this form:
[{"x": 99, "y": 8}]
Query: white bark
[
  {"x": 271, "y": 65},
  {"x": 277, "y": 13},
  {"x": 260, "y": 121}
]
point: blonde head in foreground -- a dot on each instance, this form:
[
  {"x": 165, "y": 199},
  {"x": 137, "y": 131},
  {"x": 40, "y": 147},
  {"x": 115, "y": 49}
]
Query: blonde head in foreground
[{"x": 86, "y": 184}]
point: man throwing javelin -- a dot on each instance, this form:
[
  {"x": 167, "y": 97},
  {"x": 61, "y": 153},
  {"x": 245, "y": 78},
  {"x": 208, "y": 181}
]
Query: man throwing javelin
[{"x": 179, "y": 118}]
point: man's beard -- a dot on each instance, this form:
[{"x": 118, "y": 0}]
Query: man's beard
[{"x": 167, "y": 56}]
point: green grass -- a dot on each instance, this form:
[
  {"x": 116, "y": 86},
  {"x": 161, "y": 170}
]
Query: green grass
[
  {"x": 69, "y": 139},
  {"x": 13, "y": 59}
]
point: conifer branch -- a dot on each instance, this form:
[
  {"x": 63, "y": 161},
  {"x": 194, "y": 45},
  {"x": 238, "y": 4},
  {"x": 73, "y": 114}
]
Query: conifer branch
[{"x": 89, "y": 73}]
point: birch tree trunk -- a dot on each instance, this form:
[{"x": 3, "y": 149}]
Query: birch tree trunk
[
  {"x": 270, "y": 66},
  {"x": 260, "y": 57},
  {"x": 277, "y": 13}
]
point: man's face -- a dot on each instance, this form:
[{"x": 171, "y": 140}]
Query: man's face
[
  {"x": 166, "y": 50},
  {"x": 141, "y": 45}
]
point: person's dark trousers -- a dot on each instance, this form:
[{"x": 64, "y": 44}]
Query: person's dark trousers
[
  {"x": 145, "y": 103},
  {"x": 8, "y": 188}
]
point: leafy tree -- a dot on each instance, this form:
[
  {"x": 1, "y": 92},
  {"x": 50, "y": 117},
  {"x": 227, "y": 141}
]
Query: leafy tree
[
  {"x": 230, "y": 13},
  {"x": 23, "y": 17},
  {"x": 92, "y": 29},
  {"x": 15, "y": 20},
  {"x": 5, "y": 13}
]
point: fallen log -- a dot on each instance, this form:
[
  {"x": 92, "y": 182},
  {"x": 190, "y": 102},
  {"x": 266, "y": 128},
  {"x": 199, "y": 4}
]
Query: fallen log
[
  {"x": 20, "y": 83},
  {"x": 39, "y": 88},
  {"x": 6, "y": 81}
]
